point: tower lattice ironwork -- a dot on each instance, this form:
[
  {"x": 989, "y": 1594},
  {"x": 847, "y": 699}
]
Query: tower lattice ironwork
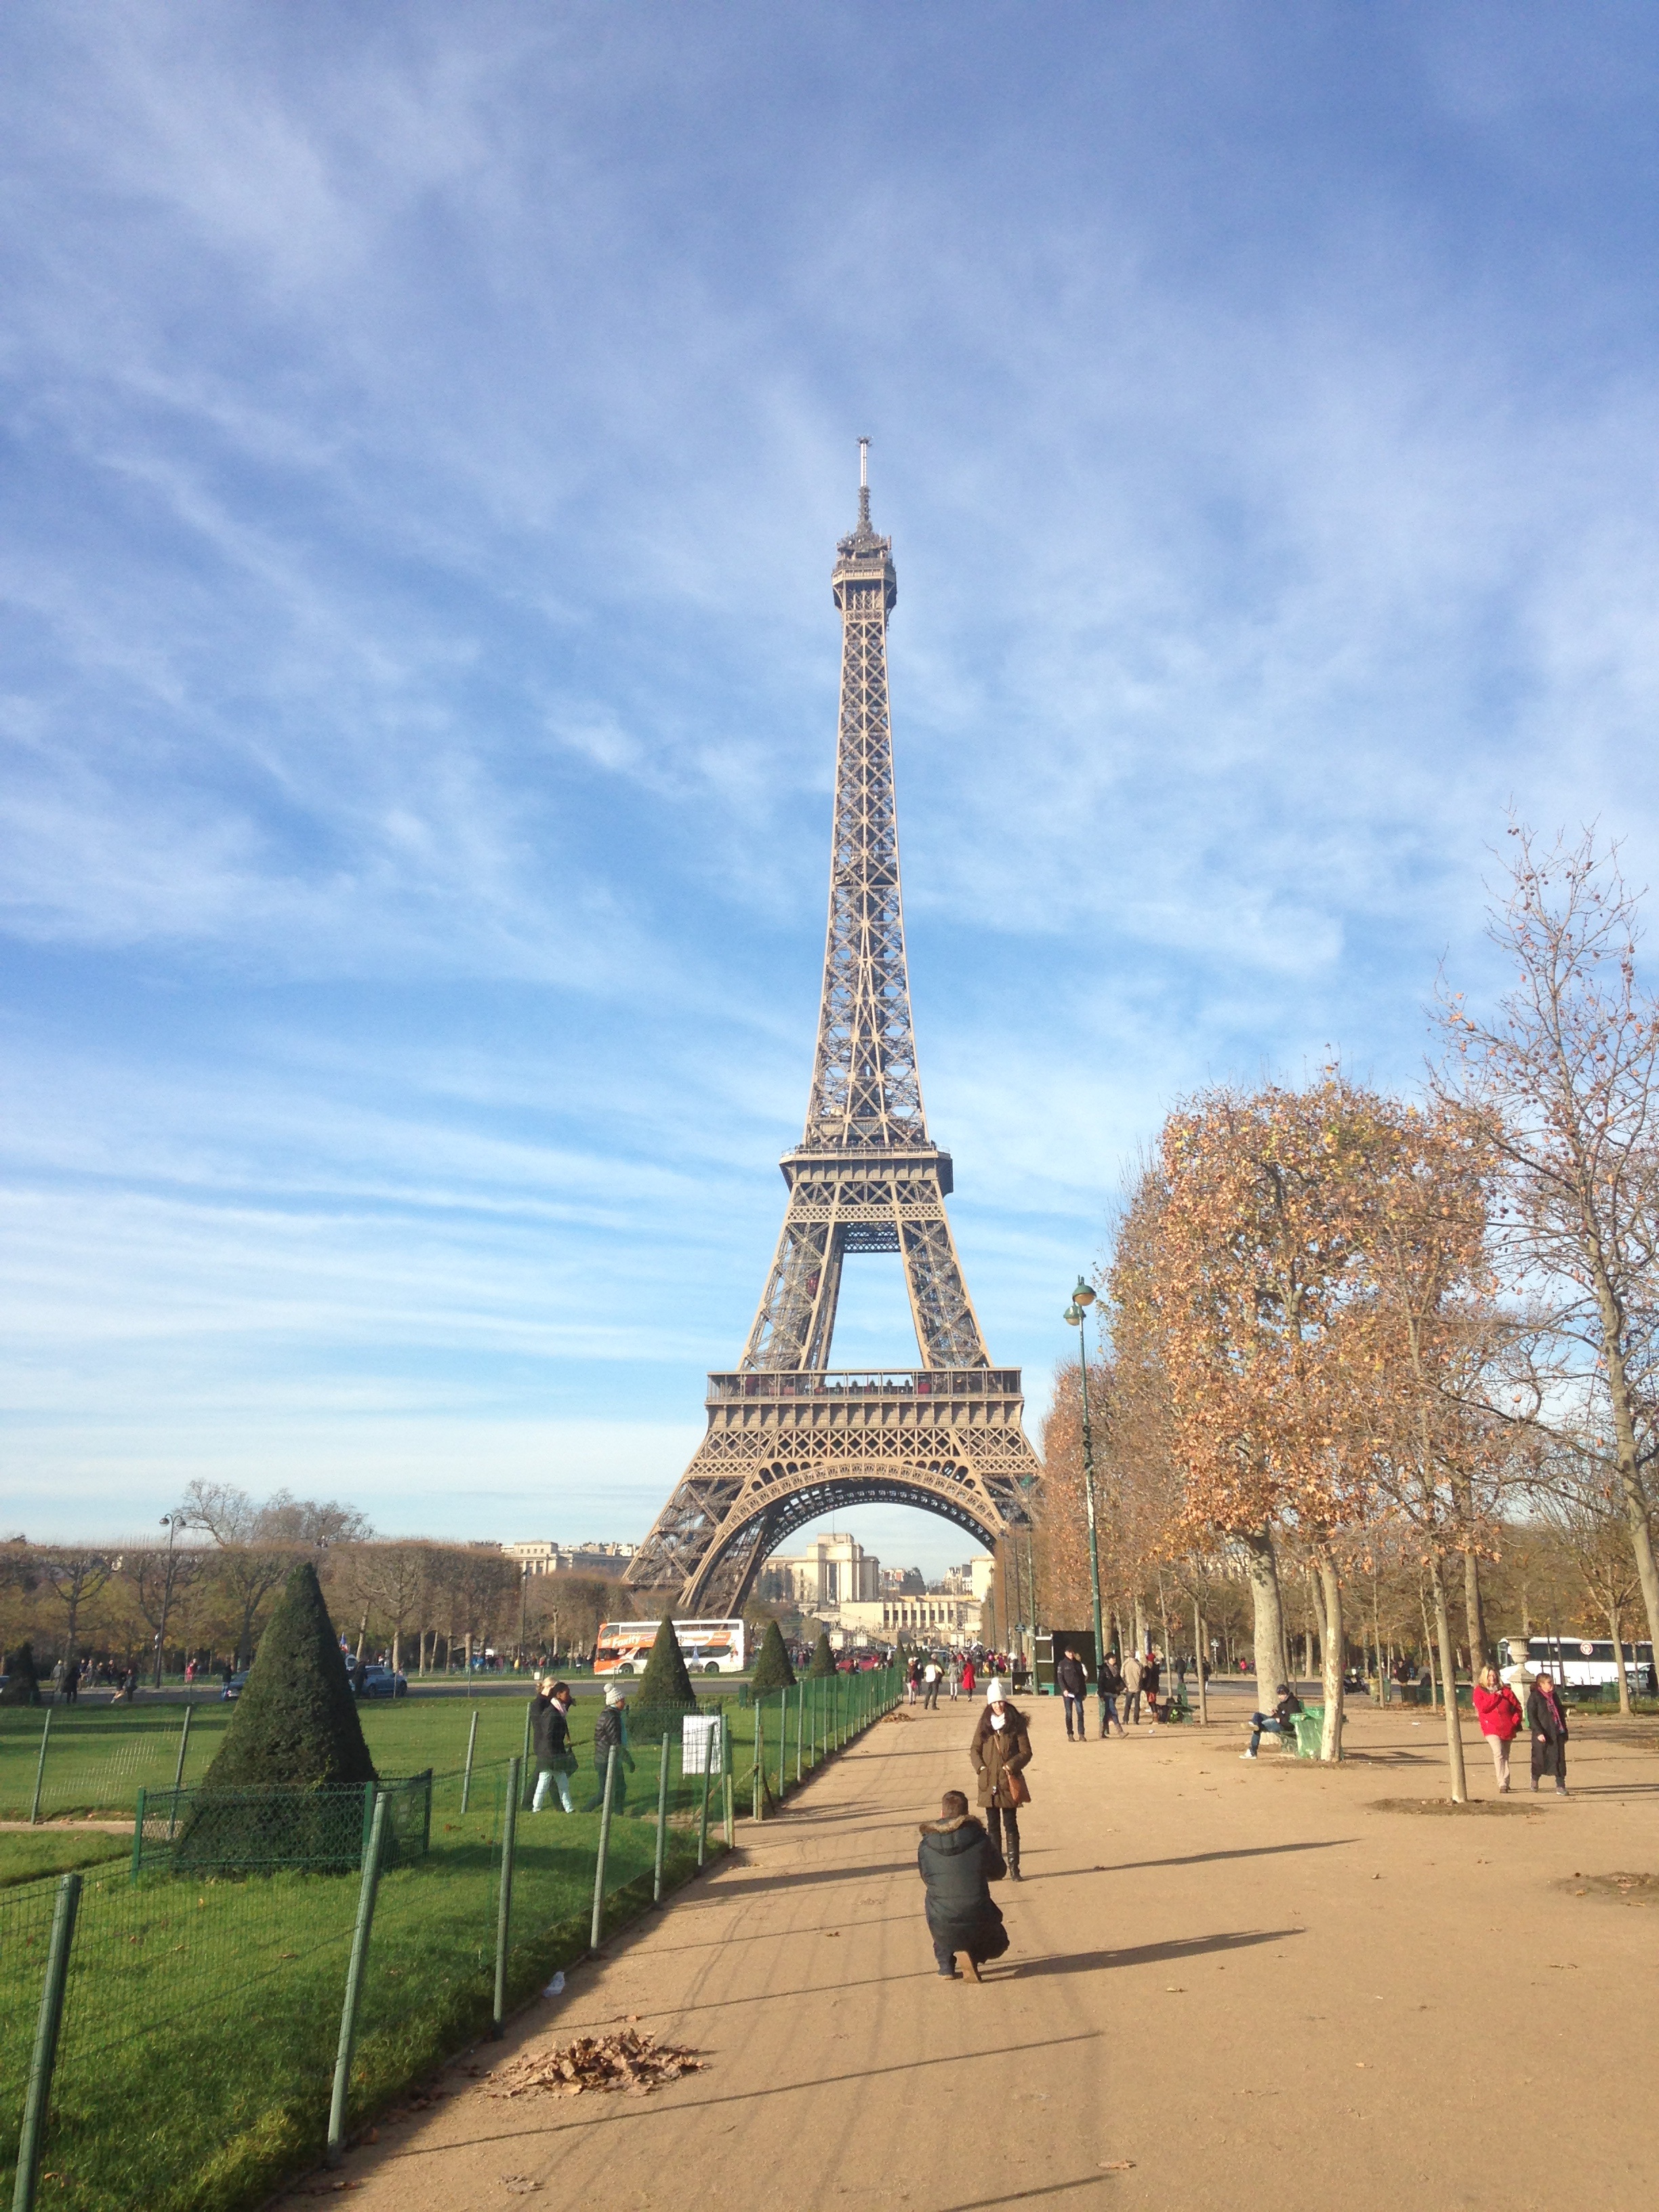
[{"x": 789, "y": 1438}]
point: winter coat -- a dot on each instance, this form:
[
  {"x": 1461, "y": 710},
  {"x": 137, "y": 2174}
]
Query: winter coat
[
  {"x": 1544, "y": 1715},
  {"x": 1132, "y": 1673},
  {"x": 608, "y": 1730},
  {"x": 1070, "y": 1676},
  {"x": 1110, "y": 1678},
  {"x": 999, "y": 1752},
  {"x": 549, "y": 1731},
  {"x": 957, "y": 1859},
  {"x": 968, "y": 1677},
  {"x": 1498, "y": 1712}
]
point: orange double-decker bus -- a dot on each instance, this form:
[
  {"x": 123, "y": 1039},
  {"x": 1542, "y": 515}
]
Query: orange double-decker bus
[{"x": 708, "y": 1647}]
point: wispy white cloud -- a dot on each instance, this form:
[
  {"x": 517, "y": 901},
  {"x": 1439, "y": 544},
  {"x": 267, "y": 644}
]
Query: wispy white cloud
[{"x": 425, "y": 441}]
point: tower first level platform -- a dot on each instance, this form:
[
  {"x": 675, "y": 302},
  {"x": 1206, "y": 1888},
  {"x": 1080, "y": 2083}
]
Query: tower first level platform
[{"x": 783, "y": 1449}]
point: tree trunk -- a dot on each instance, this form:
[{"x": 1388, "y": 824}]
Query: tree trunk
[
  {"x": 1459, "y": 1788},
  {"x": 1272, "y": 1666},
  {"x": 1619, "y": 1660},
  {"x": 1622, "y": 1397},
  {"x": 1330, "y": 1746},
  {"x": 362, "y": 1636},
  {"x": 1201, "y": 1653},
  {"x": 1475, "y": 1612},
  {"x": 1428, "y": 1643}
]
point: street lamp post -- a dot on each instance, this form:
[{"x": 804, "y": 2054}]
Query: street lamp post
[
  {"x": 170, "y": 1523},
  {"x": 1077, "y": 1313}
]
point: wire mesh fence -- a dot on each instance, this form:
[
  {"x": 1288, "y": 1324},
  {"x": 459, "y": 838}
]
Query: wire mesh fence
[
  {"x": 201, "y": 2016},
  {"x": 259, "y": 1830}
]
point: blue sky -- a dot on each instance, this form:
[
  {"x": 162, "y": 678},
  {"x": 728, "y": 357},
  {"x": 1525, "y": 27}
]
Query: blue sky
[{"x": 425, "y": 432}]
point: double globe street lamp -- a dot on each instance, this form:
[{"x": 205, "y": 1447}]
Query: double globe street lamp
[{"x": 1077, "y": 1315}]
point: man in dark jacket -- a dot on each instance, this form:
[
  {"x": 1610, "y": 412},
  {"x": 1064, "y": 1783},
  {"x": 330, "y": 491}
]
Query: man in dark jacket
[
  {"x": 956, "y": 1860},
  {"x": 611, "y": 1733},
  {"x": 1074, "y": 1686},
  {"x": 1281, "y": 1721}
]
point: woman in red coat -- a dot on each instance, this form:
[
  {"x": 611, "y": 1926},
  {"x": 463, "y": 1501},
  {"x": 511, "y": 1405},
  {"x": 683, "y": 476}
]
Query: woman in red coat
[{"x": 1498, "y": 1711}]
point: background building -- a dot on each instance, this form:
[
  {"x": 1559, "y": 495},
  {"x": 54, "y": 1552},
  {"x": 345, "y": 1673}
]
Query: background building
[
  {"x": 555, "y": 1559},
  {"x": 822, "y": 1577}
]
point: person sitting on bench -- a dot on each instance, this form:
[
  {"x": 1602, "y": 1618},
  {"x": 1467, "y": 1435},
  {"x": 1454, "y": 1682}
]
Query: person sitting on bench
[{"x": 1281, "y": 1720}]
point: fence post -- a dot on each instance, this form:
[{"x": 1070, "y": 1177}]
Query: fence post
[
  {"x": 334, "y": 2155},
  {"x": 605, "y": 1846},
  {"x": 40, "y": 1769},
  {"x": 524, "y": 1769},
  {"x": 467, "y": 1777},
  {"x": 708, "y": 1772},
  {"x": 662, "y": 1822},
  {"x": 800, "y": 1724},
  {"x": 757, "y": 1780},
  {"x": 783, "y": 1741},
  {"x": 138, "y": 1837},
  {"x": 39, "y": 2097},
  {"x": 183, "y": 1746},
  {"x": 726, "y": 1783},
  {"x": 504, "y": 1905}
]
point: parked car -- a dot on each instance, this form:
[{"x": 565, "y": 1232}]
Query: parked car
[
  {"x": 382, "y": 1682},
  {"x": 234, "y": 1687}
]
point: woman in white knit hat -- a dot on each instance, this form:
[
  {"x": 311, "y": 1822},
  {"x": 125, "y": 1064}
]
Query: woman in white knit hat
[{"x": 1001, "y": 1751}]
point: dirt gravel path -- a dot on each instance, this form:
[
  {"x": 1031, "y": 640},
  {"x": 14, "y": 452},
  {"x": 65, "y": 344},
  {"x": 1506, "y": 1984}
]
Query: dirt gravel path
[{"x": 1229, "y": 1986}]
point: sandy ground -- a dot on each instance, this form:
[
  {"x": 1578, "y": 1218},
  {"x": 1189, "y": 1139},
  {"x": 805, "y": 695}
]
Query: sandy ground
[{"x": 1229, "y": 1986}]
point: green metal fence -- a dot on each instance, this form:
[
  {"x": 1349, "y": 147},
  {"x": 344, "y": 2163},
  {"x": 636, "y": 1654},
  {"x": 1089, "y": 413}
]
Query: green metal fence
[
  {"x": 216, "y": 2032},
  {"x": 261, "y": 1831}
]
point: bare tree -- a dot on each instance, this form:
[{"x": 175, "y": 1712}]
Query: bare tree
[
  {"x": 74, "y": 1576},
  {"x": 1577, "y": 1498},
  {"x": 1562, "y": 1079}
]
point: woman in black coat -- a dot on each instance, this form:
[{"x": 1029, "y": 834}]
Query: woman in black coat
[
  {"x": 956, "y": 1859},
  {"x": 1548, "y": 1723}
]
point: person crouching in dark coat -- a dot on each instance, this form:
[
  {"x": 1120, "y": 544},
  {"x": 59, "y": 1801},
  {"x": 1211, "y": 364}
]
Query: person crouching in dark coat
[
  {"x": 956, "y": 1860},
  {"x": 1548, "y": 1724}
]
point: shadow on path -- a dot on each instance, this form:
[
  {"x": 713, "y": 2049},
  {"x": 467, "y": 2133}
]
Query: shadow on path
[{"x": 1144, "y": 1954}]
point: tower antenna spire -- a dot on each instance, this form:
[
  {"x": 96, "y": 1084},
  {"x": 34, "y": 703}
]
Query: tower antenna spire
[{"x": 864, "y": 483}]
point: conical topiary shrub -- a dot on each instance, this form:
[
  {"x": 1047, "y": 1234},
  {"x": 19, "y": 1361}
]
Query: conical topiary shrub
[
  {"x": 664, "y": 1694},
  {"x": 294, "y": 1739},
  {"x": 296, "y": 1720},
  {"x": 823, "y": 1659},
  {"x": 772, "y": 1669}
]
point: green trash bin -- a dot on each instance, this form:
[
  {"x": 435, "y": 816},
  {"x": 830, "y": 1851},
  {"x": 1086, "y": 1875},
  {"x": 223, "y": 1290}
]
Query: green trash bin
[{"x": 1309, "y": 1731}]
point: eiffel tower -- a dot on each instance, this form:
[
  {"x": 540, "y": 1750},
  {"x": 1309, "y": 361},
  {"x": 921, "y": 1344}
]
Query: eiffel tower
[{"x": 790, "y": 1438}]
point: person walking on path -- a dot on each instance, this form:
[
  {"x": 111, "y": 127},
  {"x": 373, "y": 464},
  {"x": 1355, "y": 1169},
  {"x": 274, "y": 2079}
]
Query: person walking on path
[
  {"x": 912, "y": 1679},
  {"x": 1498, "y": 1712},
  {"x": 968, "y": 1677},
  {"x": 1132, "y": 1690},
  {"x": 550, "y": 1734},
  {"x": 1152, "y": 1680},
  {"x": 1074, "y": 1686},
  {"x": 611, "y": 1730},
  {"x": 1548, "y": 1723},
  {"x": 1109, "y": 1688},
  {"x": 957, "y": 1862},
  {"x": 954, "y": 1679},
  {"x": 930, "y": 1676},
  {"x": 1281, "y": 1721},
  {"x": 1000, "y": 1752}
]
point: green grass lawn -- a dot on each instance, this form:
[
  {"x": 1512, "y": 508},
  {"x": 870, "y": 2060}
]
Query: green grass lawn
[
  {"x": 26, "y": 1858},
  {"x": 202, "y": 2016},
  {"x": 98, "y": 1756},
  {"x": 200, "y": 2027}
]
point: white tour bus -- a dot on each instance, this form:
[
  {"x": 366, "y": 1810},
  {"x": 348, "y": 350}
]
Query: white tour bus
[
  {"x": 708, "y": 1647},
  {"x": 1582, "y": 1663}
]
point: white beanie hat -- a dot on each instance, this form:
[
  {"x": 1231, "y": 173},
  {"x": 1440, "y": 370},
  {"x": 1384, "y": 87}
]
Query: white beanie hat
[
  {"x": 996, "y": 1691},
  {"x": 613, "y": 1696}
]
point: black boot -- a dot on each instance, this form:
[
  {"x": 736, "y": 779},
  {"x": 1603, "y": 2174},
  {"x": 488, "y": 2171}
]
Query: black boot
[{"x": 1013, "y": 1866}]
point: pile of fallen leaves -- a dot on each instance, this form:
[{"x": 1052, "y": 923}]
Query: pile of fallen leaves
[{"x": 631, "y": 2059}]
